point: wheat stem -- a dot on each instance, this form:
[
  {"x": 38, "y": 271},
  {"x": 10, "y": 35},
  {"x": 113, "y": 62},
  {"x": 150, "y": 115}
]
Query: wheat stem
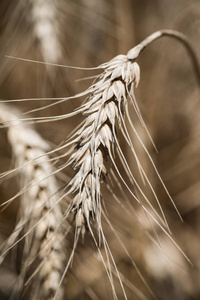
[{"x": 135, "y": 52}]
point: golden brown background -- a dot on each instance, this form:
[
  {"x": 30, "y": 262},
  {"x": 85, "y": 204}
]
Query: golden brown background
[{"x": 90, "y": 32}]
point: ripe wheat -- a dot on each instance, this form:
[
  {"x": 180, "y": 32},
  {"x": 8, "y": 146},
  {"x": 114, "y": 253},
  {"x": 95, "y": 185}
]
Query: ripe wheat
[
  {"x": 106, "y": 108},
  {"x": 40, "y": 212},
  {"x": 94, "y": 146}
]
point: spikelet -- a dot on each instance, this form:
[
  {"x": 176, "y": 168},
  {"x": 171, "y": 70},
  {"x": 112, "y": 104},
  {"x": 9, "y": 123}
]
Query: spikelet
[{"x": 40, "y": 213}]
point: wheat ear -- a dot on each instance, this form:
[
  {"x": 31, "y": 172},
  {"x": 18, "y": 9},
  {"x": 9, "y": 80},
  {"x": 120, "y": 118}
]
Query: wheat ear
[
  {"x": 45, "y": 22},
  {"x": 96, "y": 141},
  {"x": 105, "y": 110},
  {"x": 40, "y": 213}
]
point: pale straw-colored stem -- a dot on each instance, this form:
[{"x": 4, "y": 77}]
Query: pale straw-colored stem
[{"x": 135, "y": 52}]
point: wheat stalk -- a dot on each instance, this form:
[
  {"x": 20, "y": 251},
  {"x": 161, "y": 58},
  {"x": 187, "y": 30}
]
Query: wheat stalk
[{"x": 40, "y": 216}]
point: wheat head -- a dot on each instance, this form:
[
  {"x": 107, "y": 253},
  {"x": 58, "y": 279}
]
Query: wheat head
[{"x": 40, "y": 217}]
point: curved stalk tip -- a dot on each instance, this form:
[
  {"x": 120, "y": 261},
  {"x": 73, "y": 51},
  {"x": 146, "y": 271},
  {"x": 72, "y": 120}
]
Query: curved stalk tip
[{"x": 135, "y": 52}]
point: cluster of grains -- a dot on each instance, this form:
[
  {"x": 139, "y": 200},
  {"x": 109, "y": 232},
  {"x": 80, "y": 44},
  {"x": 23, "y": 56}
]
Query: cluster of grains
[
  {"x": 93, "y": 142},
  {"x": 40, "y": 212}
]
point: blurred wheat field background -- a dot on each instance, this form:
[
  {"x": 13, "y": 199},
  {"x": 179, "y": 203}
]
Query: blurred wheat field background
[{"x": 87, "y": 33}]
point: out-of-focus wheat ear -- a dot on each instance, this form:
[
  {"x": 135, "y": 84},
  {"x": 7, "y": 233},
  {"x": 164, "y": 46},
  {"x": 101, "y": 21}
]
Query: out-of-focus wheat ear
[
  {"x": 40, "y": 216},
  {"x": 45, "y": 21}
]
